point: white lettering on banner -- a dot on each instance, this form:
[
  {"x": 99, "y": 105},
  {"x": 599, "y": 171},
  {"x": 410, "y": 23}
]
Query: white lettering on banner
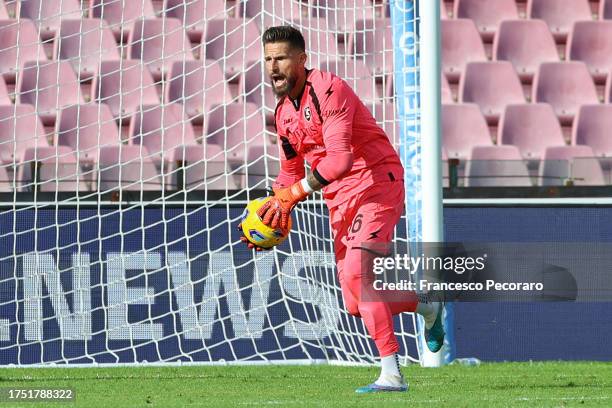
[
  {"x": 301, "y": 288},
  {"x": 221, "y": 270},
  {"x": 41, "y": 267},
  {"x": 120, "y": 296},
  {"x": 197, "y": 316}
]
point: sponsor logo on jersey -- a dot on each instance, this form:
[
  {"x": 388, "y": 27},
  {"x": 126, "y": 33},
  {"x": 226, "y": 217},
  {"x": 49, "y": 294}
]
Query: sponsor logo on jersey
[{"x": 331, "y": 112}]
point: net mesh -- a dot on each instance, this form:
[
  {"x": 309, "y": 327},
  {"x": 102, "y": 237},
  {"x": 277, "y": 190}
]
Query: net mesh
[{"x": 132, "y": 133}]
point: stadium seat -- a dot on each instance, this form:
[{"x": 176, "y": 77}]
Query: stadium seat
[
  {"x": 4, "y": 94},
  {"x": 121, "y": 14},
  {"x": 463, "y": 127},
  {"x": 486, "y": 14},
  {"x": 198, "y": 85},
  {"x": 252, "y": 83},
  {"x": 235, "y": 127},
  {"x": 233, "y": 42},
  {"x": 530, "y": 127},
  {"x": 443, "y": 10},
  {"x": 161, "y": 129},
  {"x": 373, "y": 42},
  {"x": 341, "y": 15},
  {"x": 447, "y": 94},
  {"x": 127, "y": 167},
  {"x": 491, "y": 85},
  {"x": 6, "y": 182},
  {"x": 560, "y": 15},
  {"x": 14, "y": 55},
  {"x": 20, "y": 129},
  {"x": 158, "y": 43},
  {"x": 86, "y": 128},
  {"x": 268, "y": 13},
  {"x": 461, "y": 44},
  {"x": 526, "y": 44},
  {"x": 591, "y": 42},
  {"x": 575, "y": 164},
  {"x": 605, "y": 9},
  {"x": 48, "y": 85},
  {"x": 566, "y": 86},
  {"x": 123, "y": 86},
  {"x": 592, "y": 128},
  {"x": 496, "y": 166},
  {"x": 321, "y": 43},
  {"x": 260, "y": 158},
  {"x": 47, "y": 14},
  {"x": 194, "y": 13},
  {"x": 52, "y": 168},
  {"x": 356, "y": 74},
  {"x": 200, "y": 167},
  {"x": 85, "y": 43}
]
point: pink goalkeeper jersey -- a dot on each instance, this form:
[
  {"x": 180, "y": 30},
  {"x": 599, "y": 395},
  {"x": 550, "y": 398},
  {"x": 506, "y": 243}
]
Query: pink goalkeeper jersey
[{"x": 324, "y": 126}]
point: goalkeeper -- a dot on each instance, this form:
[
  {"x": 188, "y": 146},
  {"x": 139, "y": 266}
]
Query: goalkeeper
[{"x": 320, "y": 119}]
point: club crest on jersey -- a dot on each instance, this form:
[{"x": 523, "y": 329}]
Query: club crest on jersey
[{"x": 307, "y": 114}]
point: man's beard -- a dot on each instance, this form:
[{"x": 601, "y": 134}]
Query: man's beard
[{"x": 290, "y": 82}]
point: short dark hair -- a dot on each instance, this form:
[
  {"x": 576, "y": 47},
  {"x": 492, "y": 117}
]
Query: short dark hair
[{"x": 285, "y": 33}]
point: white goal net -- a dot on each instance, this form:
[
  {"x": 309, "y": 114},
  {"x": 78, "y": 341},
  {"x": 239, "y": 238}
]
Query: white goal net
[{"x": 132, "y": 134}]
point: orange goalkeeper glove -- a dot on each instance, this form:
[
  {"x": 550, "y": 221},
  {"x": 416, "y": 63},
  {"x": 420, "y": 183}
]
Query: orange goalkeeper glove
[{"x": 277, "y": 210}]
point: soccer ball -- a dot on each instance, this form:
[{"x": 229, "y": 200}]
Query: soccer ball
[{"x": 256, "y": 231}]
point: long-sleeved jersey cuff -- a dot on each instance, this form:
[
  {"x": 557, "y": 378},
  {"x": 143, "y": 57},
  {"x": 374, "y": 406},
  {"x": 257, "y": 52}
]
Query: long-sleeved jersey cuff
[{"x": 320, "y": 178}]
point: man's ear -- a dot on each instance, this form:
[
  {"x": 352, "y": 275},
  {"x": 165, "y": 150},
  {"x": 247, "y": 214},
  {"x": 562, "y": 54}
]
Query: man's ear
[{"x": 303, "y": 58}]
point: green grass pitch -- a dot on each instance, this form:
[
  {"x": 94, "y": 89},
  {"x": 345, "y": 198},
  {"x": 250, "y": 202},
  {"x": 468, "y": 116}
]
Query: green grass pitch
[{"x": 551, "y": 384}]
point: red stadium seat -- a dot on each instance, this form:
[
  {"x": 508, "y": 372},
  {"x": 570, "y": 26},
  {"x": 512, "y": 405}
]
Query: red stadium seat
[
  {"x": 85, "y": 43},
  {"x": 235, "y": 127},
  {"x": 268, "y": 13},
  {"x": 496, "y": 166},
  {"x": 373, "y": 43},
  {"x": 570, "y": 163},
  {"x": 14, "y": 54},
  {"x": 4, "y": 95},
  {"x": 260, "y": 158},
  {"x": 591, "y": 42},
  {"x": 491, "y": 85},
  {"x": 127, "y": 167},
  {"x": 233, "y": 42},
  {"x": 86, "y": 128},
  {"x": 463, "y": 127},
  {"x": 194, "y": 14},
  {"x": 198, "y": 85},
  {"x": 486, "y": 14},
  {"x": 592, "y": 128},
  {"x": 48, "y": 85},
  {"x": 447, "y": 94},
  {"x": 124, "y": 85},
  {"x": 530, "y": 127},
  {"x": 526, "y": 44},
  {"x": 566, "y": 86},
  {"x": 342, "y": 15},
  {"x": 605, "y": 9},
  {"x": 161, "y": 129},
  {"x": 121, "y": 14},
  {"x": 6, "y": 182},
  {"x": 47, "y": 14},
  {"x": 461, "y": 44},
  {"x": 53, "y": 168},
  {"x": 200, "y": 167},
  {"x": 158, "y": 43},
  {"x": 560, "y": 15},
  {"x": 255, "y": 86},
  {"x": 20, "y": 129},
  {"x": 321, "y": 43}
]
